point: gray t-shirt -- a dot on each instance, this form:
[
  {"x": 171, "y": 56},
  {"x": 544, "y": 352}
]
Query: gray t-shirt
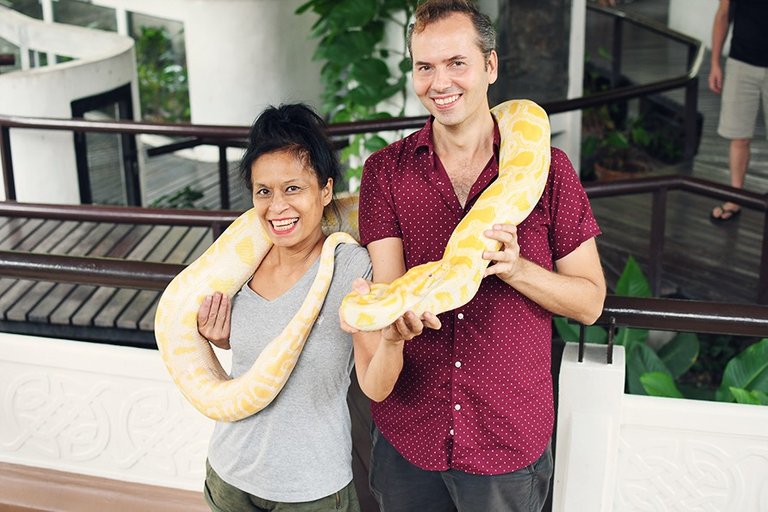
[{"x": 298, "y": 448}]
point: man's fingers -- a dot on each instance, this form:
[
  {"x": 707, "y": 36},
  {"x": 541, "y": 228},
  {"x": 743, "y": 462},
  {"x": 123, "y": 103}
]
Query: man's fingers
[{"x": 431, "y": 321}]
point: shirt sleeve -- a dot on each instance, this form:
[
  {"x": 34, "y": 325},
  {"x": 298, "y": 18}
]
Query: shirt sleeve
[
  {"x": 572, "y": 218},
  {"x": 377, "y": 216}
]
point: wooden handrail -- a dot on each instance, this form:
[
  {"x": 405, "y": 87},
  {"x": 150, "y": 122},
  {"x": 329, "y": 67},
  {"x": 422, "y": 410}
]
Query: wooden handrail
[{"x": 647, "y": 313}]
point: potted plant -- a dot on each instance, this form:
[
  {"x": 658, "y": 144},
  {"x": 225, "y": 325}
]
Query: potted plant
[{"x": 614, "y": 153}]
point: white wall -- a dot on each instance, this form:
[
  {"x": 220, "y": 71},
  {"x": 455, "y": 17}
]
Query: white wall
[
  {"x": 694, "y": 18},
  {"x": 44, "y": 161},
  {"x": 98, "y": 410},
  {"x": 618, "y": 452},
  {"x": 242, "y": 55}
]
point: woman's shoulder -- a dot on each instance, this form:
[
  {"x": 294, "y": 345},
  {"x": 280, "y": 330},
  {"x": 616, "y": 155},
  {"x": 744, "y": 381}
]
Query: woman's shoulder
[{"x": 354, "y": 259}]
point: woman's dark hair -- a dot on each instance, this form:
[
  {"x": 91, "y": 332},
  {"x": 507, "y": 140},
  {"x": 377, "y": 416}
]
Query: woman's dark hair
[{"x": 295, "y": 128}]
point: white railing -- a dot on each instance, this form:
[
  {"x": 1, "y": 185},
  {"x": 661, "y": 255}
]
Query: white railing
[{"x": 620, "y": 453}]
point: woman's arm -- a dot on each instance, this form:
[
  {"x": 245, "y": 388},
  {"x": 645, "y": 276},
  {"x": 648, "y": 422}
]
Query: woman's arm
[{"x": 379, "y": 354}]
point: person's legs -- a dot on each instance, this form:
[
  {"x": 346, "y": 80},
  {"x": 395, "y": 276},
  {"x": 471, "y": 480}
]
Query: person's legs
[
  {"x": 738, "y": 163},
  {"x": 344, "y": 500},
  {"x": 524, "y": 490},
  {"x": 223, "y": 497},
  {"x": 741, "y": 100},
  {"x": 399, "y": 486}
]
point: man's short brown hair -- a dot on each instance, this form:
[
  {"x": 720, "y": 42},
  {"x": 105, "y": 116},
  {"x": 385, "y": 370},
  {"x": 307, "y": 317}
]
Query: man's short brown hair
[{"x": 431, "y": 11}]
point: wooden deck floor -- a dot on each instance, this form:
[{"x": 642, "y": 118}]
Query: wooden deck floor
[{"x": 702, "y": 260}]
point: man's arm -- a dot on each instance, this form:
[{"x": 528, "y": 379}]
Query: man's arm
[
  {"x": 719, "y": 32},
  {"x": 576, "y": 289}
]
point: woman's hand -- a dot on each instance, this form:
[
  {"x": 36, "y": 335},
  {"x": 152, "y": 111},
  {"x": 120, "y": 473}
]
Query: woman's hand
[{"x": 213, "y": 319}]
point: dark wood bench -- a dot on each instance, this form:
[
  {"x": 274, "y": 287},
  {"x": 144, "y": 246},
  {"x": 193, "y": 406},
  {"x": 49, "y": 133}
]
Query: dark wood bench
[{"x": 98, "y": 313}]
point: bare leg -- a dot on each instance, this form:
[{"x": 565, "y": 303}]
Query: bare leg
[{"x": 739, "y": 162}]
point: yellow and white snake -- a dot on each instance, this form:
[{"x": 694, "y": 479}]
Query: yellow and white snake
[
  {"x": 453, "y": 280},
  {"x": 436, "y": 287}
]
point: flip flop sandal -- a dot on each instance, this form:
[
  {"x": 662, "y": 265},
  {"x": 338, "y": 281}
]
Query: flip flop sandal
[{"x": 726, "y": 214}]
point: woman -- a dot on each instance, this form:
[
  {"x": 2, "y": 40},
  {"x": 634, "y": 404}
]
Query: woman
[{"x": 294, "y": 455}]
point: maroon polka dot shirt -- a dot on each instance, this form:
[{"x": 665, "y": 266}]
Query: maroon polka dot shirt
[{"x": 477, "y": 394}]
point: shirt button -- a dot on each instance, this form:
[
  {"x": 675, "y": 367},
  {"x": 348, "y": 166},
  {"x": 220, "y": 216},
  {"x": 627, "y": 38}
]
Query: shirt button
[
  {"x": 457, "y": 407},
  {"x": 460, "y": 316},
  {"x": 450, "y": 431},
  {"x": 457, "y": 364}
]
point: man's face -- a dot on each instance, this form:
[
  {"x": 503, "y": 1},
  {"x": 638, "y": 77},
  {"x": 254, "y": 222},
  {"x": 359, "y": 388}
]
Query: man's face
[{"x": 450, "y": 74}]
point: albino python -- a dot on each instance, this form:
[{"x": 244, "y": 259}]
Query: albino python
[
  {"x": 438, "y": 286},
  {"x": 453, "y": 280}
]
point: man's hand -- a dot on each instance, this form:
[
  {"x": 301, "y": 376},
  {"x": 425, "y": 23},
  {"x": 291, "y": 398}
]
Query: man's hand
[
  {"x": 213, "y": 319},
  {"x": 506, "y": 261},
  {"x": 716, "y": 79}
]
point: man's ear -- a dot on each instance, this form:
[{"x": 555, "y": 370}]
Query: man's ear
[{"x": 492, "y": 67}]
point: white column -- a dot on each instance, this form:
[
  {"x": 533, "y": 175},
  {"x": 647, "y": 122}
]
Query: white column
[
  {"x": 47, "y": 6},
  {"x": 588, "y": 423}
]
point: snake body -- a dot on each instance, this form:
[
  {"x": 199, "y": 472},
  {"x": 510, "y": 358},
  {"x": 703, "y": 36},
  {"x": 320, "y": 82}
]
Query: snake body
[
  {"x": 437, "y": 286},
  {"x": 224, "y": 267},
  {"x": 453, "y": 280}
]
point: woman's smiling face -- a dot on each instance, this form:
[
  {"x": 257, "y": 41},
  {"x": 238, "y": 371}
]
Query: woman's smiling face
[{"x": 288, "y": 198}]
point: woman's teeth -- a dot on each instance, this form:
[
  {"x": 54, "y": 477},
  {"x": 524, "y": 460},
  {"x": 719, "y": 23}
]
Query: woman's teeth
[{"x": 284, "y": 224}]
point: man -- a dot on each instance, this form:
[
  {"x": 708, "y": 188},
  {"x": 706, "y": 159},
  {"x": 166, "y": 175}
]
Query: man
[
  {"x": 463, "y": 411},
  {"x": 745, "y": 84}
]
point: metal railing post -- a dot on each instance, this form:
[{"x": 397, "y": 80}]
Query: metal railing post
[
  {"x": 223, "y": 177},
  {"x": 690, "y": 126},
  {"x": 616, "y": 50},
  {"x": 5, "y": 153},
  {"x": 762, "y": 282},
  {"x": 656, "y": 245}
]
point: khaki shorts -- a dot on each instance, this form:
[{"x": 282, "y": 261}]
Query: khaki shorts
[
  {"x": 223, "y": 497},
  {"x": 744, "y": 88}
]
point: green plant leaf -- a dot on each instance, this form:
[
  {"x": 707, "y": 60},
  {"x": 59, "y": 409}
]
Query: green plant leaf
[
  {"x": 346, "y": 47},
  {"x": 405, "y": 65},
  {"x": 632, "y": 282},
  {"x": 375, "y": 143},
  {"x": 628, "y": 337},
  {"x": 748, "y": 370},
  {"x": 370, "y": 71},
  {"x": 680, "y": 353},
  {"x": 616, "y": 140},
  {"x": 743, "y": 396},
  {"x": 365, "y": 95},
  {"x": 350, "y": 13},
  {"x": 642, "y": 359},
  {"x": 570, "y": 331},
  {"x": 660, "y": 384}
]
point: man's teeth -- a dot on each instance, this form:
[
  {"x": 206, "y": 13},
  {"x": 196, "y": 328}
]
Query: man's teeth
[
  {"x": 446, "y": 101},
  {"x": 284, "y": 224}
]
